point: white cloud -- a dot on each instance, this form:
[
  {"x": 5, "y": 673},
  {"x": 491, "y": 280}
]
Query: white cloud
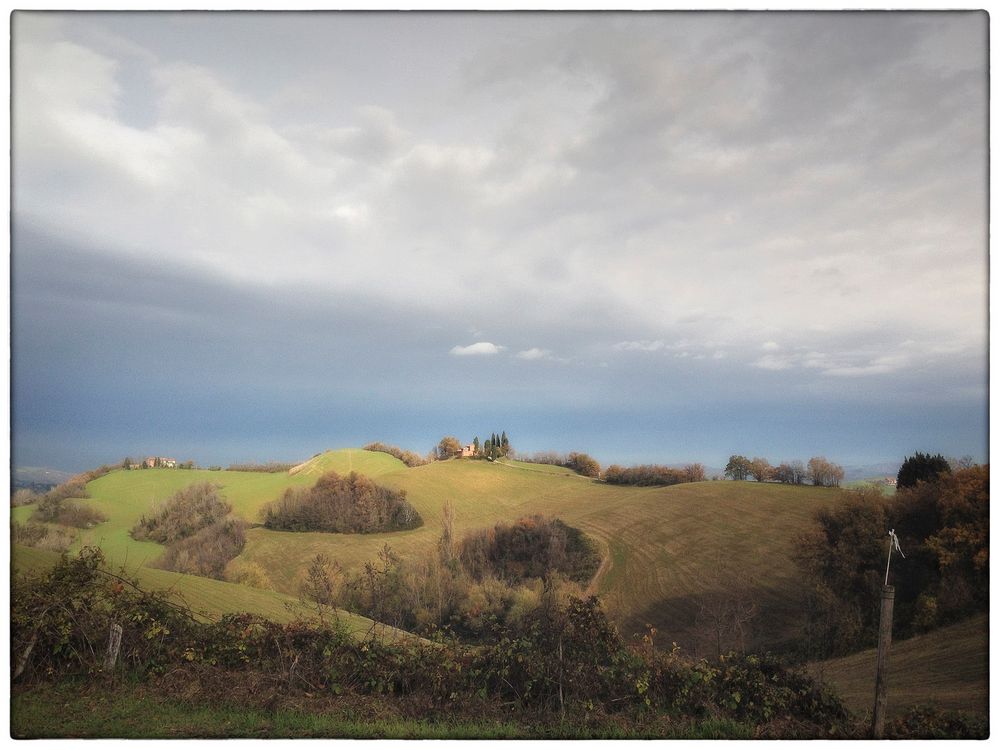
[
  {"x": 773, "y": 362},
  {"x": 480, "y": 348},
  {"x": 770, "y": 346},
  {"x": 534, "y": 353},
  {"x": 639, "y": 346},
  {"x": 878, "y": 366}
]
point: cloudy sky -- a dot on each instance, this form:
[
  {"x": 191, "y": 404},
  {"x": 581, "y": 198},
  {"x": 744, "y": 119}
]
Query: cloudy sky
[{"x": 651, "y": 237}]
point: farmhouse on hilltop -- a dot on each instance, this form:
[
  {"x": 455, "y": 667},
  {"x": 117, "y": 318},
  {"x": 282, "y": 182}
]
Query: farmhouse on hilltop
[
  {"x": 468, "y": 450},
  {"x": 151, "y": 462}
]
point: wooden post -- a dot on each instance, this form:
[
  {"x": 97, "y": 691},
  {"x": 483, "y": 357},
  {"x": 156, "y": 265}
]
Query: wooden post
[
  {"x": 882, "y": 669},
  {"x": 562, "y": 707},
  {"x": 114, "y": 643}
]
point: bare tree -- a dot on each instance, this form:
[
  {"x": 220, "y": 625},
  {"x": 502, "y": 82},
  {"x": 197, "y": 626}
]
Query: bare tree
[{"x": 726, "y": 610}]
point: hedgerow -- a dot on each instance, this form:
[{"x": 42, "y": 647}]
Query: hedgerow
[
  {"x": 409, "y": 458},
  {"x": 566, "y": 660}
]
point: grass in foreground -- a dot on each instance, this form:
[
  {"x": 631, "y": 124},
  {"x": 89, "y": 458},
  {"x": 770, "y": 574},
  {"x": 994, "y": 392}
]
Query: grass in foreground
[{"x": 79, "y": 709}]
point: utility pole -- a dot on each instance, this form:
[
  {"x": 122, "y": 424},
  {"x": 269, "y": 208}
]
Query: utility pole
[
  {"x": 884, "y": 643},
  {"x": 882, "y": 668}
]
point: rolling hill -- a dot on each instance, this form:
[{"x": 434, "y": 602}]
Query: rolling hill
[
  {"x": 668, "y": 553},
  {"x": 667, "y": 550}
]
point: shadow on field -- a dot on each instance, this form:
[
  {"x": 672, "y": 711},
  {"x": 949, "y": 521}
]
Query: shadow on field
[{"x": 718, "y": 621}]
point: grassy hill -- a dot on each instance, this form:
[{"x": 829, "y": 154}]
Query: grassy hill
[
  {"x": 204, "y": 596},
  {"x": 667, "y": 550},
  {"x": 948, "y": 668},
  {"x": 369, "y": 463}
]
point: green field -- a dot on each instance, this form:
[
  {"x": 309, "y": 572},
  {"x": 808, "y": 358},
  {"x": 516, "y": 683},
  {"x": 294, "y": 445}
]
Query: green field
[
  {"x": 207, "y": 597},
  {"x": 947, "y": 668},
  {"x": 664, "y": 548}
]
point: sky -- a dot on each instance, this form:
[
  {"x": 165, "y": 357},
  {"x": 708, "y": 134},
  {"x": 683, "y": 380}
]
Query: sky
[{"x": 651, "y": 237}]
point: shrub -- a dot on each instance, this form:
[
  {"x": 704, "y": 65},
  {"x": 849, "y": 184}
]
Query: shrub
[
  {"x": 90, "y": 476},
  {"x": 353, "y": 504},
  {"x": 581, "y": 463},
  {"x": 647, "y": 475},
  {"x": 531, "y": 547},
  {"x": 564, "y": 659},
  {"x": 206, "y": 552},
  {"x": 248, "y": 573},
  {"x": 75, "y": 486},
  {"x": 59, "y": 620},
  {"x": 23, "y": 496},
  {"x": 930, "y": 723},
  {"x": 271, "y": 467},
  {"x": 189, "y": 510},
  {"x": 51, "y": 503},
  {"x": 409, "y": 458},
  {"x": 80, "y": 516},
  {"x": 41, "y": 536}
]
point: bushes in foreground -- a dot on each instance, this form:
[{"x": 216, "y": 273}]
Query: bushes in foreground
[
  {"x": 350, "y": 505},
  {"x": 566, "y": 660}
]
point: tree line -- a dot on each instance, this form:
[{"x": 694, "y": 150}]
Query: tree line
[
  {"x": 941, "y": 518},
  {"x": 818, "y": 471},
  {"x": 651, "y": 475},
  {"x": 581, "y": 463}
]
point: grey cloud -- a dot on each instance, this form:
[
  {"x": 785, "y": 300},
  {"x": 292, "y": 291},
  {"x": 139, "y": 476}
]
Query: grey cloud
[{"x": 562, "y": 183}]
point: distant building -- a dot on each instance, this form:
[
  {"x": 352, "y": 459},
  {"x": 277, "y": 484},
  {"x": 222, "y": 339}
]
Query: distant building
[
  {"x": 468, "y": 450},
  {"x": 891, "y": 481},
  {"x": 166, "y": 463}
]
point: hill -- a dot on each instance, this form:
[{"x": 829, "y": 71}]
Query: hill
[
  {"x": 37, "y": 478},
  {"x": 370, "y": 463},
  {"x": 671, "y": 554},
  {"x": 948, "y": 668},
  {"x": 669, "y": 551},
  {"x": 203, "y": 596}
]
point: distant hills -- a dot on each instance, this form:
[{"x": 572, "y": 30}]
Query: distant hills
[
  {"x": 867, "y": 471},
  {"x": 37, "y": 478}
]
